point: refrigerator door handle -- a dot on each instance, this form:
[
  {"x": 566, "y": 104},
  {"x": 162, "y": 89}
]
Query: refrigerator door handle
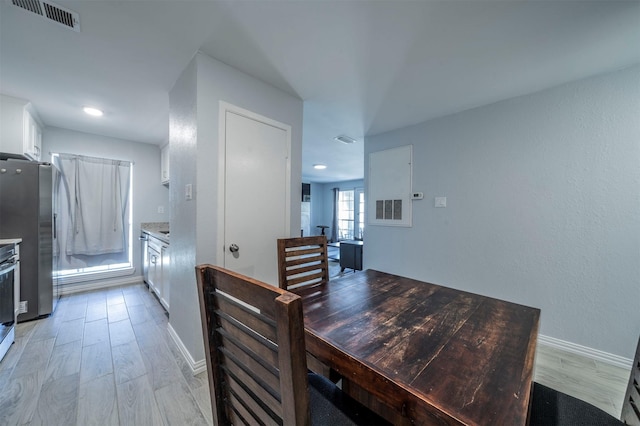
[{"x": 55, "y": 226}]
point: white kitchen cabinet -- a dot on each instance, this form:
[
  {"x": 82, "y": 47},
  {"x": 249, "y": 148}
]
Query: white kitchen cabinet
[
  {"x": 164, "y": 164},
  {"x": 158, "y": 269},
  {"x": 166, "y": 286},
  {"x": 20, "y": 131}
]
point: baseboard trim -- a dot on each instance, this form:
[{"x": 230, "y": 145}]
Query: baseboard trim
[
  {"x": 96, "y": 285},
  {"x": 195, "y": 366},
  {"x": 594, "y": 354}
]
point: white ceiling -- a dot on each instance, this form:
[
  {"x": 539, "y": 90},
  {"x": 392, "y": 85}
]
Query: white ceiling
[{"x": 361, "y": 67}]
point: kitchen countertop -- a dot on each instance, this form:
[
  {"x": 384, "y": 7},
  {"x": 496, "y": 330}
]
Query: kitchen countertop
[
  {"x": 159, "y": 230},
  {"x": 10, "y": 240}
]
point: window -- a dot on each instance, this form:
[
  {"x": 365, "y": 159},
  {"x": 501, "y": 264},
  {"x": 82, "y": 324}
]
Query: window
[
  {"x": 345, "y": 215},
  {"x": 100, "y": 217},
  {"x": 360, "y": 214},
  {"x": 351, "y": 214}
]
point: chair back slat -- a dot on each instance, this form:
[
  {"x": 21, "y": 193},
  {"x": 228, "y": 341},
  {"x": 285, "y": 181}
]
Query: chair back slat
[
  {"x": 253, "y": 412},
  {"x": 261, "y": 390},
  {"x": 302, "y": 261},
  {"x": 247, "y": 316},
  {"x": 252, "y": 343},
  {"x": 247, "y": 359},
  {"x": 631, "y": 403},
  {"x": 256, "y": 359},
  {"x": 297, "y": 281}
]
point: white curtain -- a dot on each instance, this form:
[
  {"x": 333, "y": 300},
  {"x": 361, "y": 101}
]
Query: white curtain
[{"x": 92, "y": 200}]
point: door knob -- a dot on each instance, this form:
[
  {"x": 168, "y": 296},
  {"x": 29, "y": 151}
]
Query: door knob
[{"x": 233, "y": 248}]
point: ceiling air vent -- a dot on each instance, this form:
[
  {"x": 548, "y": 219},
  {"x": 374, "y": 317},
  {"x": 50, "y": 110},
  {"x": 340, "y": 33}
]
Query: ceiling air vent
[
  {"x": 52, "y": 12},
  {"x": 345, "y": 139}
]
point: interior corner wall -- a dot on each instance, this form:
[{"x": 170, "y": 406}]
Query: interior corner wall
[
  {"x": 148, "y": 193},
  {"x": 543, "y": 207}
]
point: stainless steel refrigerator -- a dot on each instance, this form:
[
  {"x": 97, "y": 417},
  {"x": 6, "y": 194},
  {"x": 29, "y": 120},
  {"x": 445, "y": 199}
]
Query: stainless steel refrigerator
[{"x": 26, "y": 212}]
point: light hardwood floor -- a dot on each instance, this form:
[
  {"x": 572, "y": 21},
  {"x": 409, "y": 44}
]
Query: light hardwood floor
[
  {"x": 105, "y": 358},
  {"x": 600, "y": 384}
]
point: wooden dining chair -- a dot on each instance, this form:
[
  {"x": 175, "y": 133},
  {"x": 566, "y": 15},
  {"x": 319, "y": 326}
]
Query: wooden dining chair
[
  {"x": 551, "y": 407},
  {"x": 255, "y": 355},
  {"x": 302, "y": 261}
]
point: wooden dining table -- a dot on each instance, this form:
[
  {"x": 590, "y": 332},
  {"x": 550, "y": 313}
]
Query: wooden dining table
[{"x": 420, "y": 353}]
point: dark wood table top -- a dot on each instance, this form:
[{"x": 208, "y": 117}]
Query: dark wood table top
[{"x": 431, "y": 353}]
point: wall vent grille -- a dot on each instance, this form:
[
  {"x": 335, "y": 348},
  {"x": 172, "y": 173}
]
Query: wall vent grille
[{"x": 51, "y": 12}]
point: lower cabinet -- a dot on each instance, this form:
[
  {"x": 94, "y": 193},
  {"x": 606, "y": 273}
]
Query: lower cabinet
[
  {"x": 166, "y": 287},
  {"x": 351, "y": 255},
  {"x": 158, "y": 269}
]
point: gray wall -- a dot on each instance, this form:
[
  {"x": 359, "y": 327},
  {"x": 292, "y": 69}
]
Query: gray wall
[
  {"x": 543, "y": 207},
  {"x": 193, "y": 146},
  {"x": 148, "y": 192}
]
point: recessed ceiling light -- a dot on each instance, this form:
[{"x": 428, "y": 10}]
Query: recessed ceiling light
[
  {"x": 92, "y": 111},
  {"x": 345, "y": 139},
  {"x": 320, "y": 166}
]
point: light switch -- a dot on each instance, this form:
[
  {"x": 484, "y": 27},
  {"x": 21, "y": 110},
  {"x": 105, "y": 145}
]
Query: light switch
[
  {"x": 160, "y": 209},
  {"x": 188, "y": 192},
  {"x": 441, "y": 202}
]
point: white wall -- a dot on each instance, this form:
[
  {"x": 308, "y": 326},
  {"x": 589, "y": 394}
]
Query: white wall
[
  {"x": 148, "y": 192},
  {"x": 194, "y": 120},
  {"x": 543, "y": 207}
]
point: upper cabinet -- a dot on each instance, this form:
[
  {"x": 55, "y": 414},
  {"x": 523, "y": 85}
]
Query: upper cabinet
[
  {"x": 20, "y": 131},
  {"x": 164, "y": 164}
]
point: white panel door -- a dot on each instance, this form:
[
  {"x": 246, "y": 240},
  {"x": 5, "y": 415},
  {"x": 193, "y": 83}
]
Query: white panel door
[{"x": 256, "y": 194}]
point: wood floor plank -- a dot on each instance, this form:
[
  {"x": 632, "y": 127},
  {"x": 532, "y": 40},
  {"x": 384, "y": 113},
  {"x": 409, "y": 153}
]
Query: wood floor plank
[
  {"x": 70, "y": 331},
  {"x": 97, "y": 402},
  {"x": 203, "y": 399},
  {"x": 138, "y": 314},
  {"x": 58, "y": 402},
  {"x": 137, "y": 404},
  {"x": 74, "y": 311},
  {"x": 127, "y": 362},
  {"x": 582, "y": 378},
  {"x": 96, "y": 332},
  {"x": 133, "y": 299},
  {"x": 160, "y": 366},
  {"x": 12, "y": 357},
  {"x": 115, "y": 297},
  {"x": 96, "y": 311},
  {"x": 4, "y": 376},
  {"x": 35, "y": 358},
  {"x": 96, "y": 296},
  {"x": 177, "y": 405},
  {"x": 121, "y": 332},
  {"x": 96, "y": 361},
  {"x": 65, "y": 360},
  {"x": 148, "y": 333},
  {"x": 24, "y": 329},
  {"x": 46, "y": 328},
  {"x": 19, "y": 398},
  {"x": 117, "y": 312}
]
